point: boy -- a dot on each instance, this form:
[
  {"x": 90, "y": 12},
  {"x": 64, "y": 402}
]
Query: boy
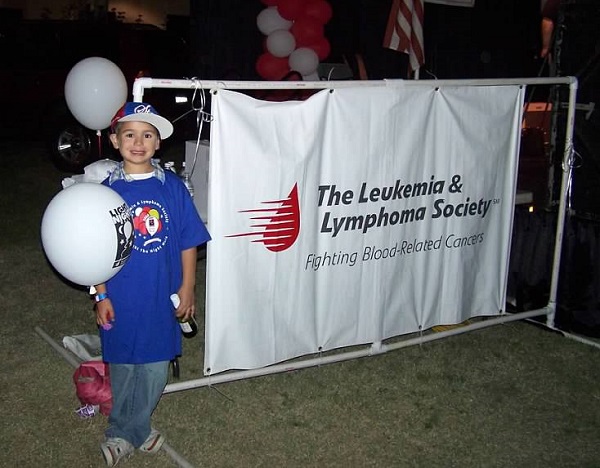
[{"x": 138, "y": 325}]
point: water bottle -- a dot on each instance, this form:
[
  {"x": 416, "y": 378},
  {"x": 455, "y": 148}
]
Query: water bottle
[
  {"x": 187, "y": 179},
  {"x": 189, "y": 327}
]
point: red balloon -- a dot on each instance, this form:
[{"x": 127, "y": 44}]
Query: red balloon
[
  {"x": 306, "y": 30},
  {"x": 291, "y": 9},
  {"x": 320, "y": 10},
  {"x": 270, "y": 2},
  {"x": 321, "y": 47},
  {"x": 294, "y": 76},
  {"x": 272, "y": 68}
]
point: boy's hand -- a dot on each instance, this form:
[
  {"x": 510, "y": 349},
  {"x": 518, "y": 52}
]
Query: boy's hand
[
  {"x": 187, "y": 304},
  {"x": 104, "y": 312}
]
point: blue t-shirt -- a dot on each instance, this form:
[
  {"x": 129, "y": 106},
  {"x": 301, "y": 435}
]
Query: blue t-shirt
[{"x": 166, "y": 222}]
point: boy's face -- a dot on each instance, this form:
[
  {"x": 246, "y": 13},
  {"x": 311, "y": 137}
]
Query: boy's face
[{"x": 137, "y": 142}]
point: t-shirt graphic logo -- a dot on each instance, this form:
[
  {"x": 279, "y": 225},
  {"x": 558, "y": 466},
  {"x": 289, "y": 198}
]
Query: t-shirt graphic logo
[
  {"x": 277, "y": 227},
  {"x": 124, "y": 228},
  {"x": 148, "y": 222}
]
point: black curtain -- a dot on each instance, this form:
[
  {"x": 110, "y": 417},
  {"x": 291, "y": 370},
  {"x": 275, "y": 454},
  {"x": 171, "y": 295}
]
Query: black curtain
[
  {"x": 530, "y": 269},
  {"x": 224, "y": 38}
]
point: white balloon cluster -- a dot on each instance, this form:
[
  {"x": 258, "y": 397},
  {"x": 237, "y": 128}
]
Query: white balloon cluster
[
  {"x": 295, "y": 39},
  {"x": 87, "y": 229}
]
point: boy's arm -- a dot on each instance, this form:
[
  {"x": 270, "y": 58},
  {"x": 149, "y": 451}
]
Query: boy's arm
[
  {"x": 187, "y": 296},
  {"x": 104, "y": 309}
]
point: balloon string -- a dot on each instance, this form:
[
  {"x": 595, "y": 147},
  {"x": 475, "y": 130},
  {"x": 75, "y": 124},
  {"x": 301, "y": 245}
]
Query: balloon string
[{"x": 99, "y": 135}]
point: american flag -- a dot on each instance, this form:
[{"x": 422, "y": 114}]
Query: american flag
[{"x": 404, "y": 31}]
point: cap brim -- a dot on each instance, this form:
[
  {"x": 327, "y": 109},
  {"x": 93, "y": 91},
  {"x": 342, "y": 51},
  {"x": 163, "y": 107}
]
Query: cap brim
[{"x": 164, "y": 127}]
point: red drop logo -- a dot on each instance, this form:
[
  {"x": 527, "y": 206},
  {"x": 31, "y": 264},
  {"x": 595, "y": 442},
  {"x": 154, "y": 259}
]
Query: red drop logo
[{"x": 278, "y": 224}]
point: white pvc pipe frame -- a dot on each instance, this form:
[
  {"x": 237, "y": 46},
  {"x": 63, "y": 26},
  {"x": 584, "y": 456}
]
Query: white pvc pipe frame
[{"x": 378, "y": 347}]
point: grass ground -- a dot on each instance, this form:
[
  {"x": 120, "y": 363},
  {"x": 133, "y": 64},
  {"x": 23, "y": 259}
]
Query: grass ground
[{"x": 514, "y": 395}]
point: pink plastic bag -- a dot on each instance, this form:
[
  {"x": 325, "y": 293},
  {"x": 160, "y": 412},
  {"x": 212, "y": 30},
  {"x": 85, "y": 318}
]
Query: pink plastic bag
[{"x": 92, "y": 385}]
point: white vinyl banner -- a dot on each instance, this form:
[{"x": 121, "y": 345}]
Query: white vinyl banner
[{"x": 357, "y": 215}]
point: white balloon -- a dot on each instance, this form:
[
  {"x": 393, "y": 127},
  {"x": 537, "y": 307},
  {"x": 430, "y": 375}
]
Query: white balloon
[
  {"x": 95, "y": 89},
  {"x": 281, "y": 43},
  {"x": 304, "y": 60},
  {"x": 87, "y": 233},
  {"x": 270, "y": 20}
]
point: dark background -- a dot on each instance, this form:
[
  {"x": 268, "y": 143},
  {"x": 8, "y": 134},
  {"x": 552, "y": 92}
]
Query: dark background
[{"x": 494, "y": 39}]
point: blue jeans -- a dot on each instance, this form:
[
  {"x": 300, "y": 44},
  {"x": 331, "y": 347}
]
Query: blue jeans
[{"x": 136, "y": 390}]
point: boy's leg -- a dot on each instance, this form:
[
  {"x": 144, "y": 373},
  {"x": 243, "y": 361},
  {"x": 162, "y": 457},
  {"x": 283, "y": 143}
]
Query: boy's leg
[
  {"x": 122, "y": 386},
  {"x": 137, "y": 389}
]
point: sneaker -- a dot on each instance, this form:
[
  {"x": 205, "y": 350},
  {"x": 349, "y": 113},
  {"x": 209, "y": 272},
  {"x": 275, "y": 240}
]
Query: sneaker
[
  {"x": 115, "y": 449},
  {"x": 153, "y": 443}
]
